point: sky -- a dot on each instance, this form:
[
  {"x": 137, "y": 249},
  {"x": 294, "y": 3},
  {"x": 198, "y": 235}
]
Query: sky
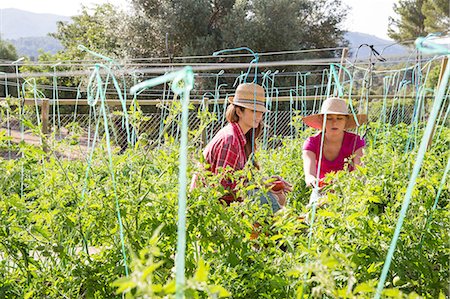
[
  {"x": 369, "y": 16},
  {"x": 366, "y": 16}
]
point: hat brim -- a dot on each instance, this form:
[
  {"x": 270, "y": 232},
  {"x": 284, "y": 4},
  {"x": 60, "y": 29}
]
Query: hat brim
[
  {"x": 315, "y": 121},
  {"x": 255, "y": 106}
]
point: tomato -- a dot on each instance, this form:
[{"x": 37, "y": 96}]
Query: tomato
[
  {"x": 278, "y": 185},
  {"x": 322, "y": 183}
]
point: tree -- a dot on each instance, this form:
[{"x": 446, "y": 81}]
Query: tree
[
  {"x": 7, "y": 55},
  {"x": 7, "y": 51},
  {"x": 418, "y": 18},
  {"x": 94, "y": 28},
  {"x": 167, "y": 28},
  {"x": 278, "y": 25},
  {"x": 67, "y": 85},
  {"x": 202, "y": 26},
  {"x": 437, "y": 14},
  {"x": 411, "y": 22},
  {"x": 177, "y": 27}
]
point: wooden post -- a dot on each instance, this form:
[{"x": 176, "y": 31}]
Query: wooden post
[
  {"x": 45, "y": 107},
  {"x": 441, "y": 75},
  {"x": 341, "y": 71},
  {"x": 342, "y": 63}
]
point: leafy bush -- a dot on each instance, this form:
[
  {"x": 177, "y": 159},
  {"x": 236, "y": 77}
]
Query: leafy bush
[{"x": 61, "y": 237}]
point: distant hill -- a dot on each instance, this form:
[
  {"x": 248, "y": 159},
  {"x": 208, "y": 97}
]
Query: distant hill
[
  {"x": 357, "y": 38},
  {"x": 30, "y": 34},
  {"x": 30, "y": 46},
  {"x": 18, "y": 23}
]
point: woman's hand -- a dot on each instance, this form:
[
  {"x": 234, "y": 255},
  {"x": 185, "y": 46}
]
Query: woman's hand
[
  {"x": 281, "y": 197},
  {"x": 311, "y": 181},
  {"x": 280, "y": 184}
]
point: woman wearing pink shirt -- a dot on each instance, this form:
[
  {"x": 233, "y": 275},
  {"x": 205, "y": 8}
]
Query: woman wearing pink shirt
[{"x": 339, "y": 146}]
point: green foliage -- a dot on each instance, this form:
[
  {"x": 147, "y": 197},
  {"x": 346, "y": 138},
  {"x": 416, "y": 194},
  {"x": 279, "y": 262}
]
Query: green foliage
[
  {"x": 61, "y": 238},
  {"x": 267, "y": 25},
  {"x": 144, "y": 281},
  {"x": 8, "y": 54},
  {"x": 171, "y": 28},
  {"x": 437, "y": 16},
  {"x": 200, "y": 27},
  {"x": 7, "y": 51},
  {"x": 411, "y": 22},
  {"x": 94, "y": 28},
  {"x": 45, "y": 63},
  {"x": 418, "y": 18}
]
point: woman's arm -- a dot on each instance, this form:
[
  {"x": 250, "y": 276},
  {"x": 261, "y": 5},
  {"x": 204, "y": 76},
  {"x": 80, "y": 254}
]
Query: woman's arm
[
  {"x": 309, "y": 167},
  {"x": 358, "y": 154}
]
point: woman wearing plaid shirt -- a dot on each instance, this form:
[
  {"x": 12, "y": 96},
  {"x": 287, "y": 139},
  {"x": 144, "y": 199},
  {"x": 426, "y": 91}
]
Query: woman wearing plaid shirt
[{"x": 232, "y": 146}]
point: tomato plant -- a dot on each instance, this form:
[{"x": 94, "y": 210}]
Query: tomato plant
[{"x": 60, "y": 238}]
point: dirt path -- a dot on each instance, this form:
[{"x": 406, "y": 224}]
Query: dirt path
[{"x": 76, "y": 151}]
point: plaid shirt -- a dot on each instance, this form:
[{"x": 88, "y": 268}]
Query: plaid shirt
[{"x": 226, "y": 149}]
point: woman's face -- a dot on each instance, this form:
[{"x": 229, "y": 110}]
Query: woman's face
[
  {"x": 335, "y": 123},
  {"x": 249, "y": 118}
]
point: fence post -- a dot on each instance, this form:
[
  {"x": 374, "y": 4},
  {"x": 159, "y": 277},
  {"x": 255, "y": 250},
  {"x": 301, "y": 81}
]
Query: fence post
[
  {"x": 45, "y": 107},
  {"x": 441, "y": 75},
  {"x": 340, "y": 77},
  {"x": 342, "y": 63}
]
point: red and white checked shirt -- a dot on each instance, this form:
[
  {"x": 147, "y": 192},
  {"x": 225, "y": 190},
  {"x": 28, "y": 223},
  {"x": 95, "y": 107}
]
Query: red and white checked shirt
[{"x": 226, "y": 149}]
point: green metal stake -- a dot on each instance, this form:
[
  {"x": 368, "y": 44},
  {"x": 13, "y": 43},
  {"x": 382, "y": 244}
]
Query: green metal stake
[{"x": 183, "y": 82}]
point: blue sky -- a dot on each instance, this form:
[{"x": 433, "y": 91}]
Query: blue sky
[{"x": 366, "y": 16}]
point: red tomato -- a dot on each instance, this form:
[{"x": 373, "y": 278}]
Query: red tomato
[
  {"x": 322, "y": 183},
  {"x": 278, "y": 185}
]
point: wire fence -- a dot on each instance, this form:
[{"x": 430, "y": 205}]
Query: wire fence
[{"x": 156, "y": 126}]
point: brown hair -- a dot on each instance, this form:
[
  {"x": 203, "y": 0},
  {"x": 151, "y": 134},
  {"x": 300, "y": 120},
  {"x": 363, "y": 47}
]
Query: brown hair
[{"x": 250, "y": 136}]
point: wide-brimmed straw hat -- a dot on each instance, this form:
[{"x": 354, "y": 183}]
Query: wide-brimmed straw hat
[
  {"x": 334, "y": 106},
  {"x": 251, "y": 96}
]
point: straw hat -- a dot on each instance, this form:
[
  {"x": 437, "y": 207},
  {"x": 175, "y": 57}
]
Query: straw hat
[
  {"x": 251, "y": 96},
  {"x": 333, "y": 106}
]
